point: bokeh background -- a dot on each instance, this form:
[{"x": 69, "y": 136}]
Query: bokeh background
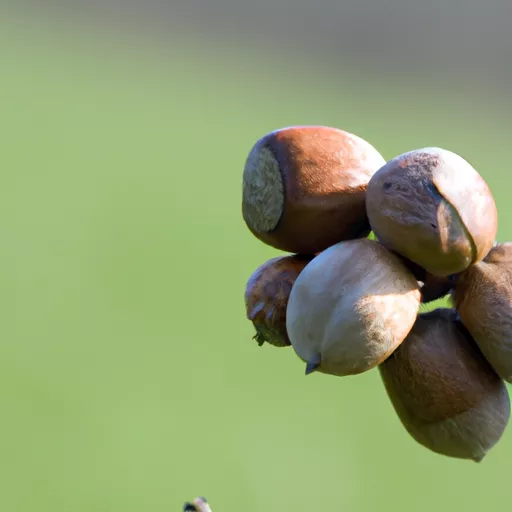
[{"x": 128, "y": 377}]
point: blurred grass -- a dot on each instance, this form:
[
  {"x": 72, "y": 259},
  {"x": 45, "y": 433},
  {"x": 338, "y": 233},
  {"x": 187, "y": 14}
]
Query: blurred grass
[{"x": 128, "y": 378}]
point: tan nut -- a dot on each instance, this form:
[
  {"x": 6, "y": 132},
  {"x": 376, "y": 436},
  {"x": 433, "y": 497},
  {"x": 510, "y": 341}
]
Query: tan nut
[
  {"x": 445, "y": 393},
  {"x": 304, "y": 187},
  {"x": 351, "y": 307},
  {"x": 434, "y": 208},
  {"x": 483, "y": 299}
]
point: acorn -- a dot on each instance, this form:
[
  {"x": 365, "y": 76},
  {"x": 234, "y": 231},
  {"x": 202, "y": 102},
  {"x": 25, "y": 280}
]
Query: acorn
[
  {"x": 266, "y": 297},
  {"x": 351, "y": 307},
  {"x": 431, "y": 206},
  {"x": 304, "y": 187},
  {"x": 483, "y": 299},
  {"x": 444, "y": 391}
]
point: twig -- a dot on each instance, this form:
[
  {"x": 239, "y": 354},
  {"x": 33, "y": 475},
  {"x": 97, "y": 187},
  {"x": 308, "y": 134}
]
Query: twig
[{"x": 199, "y": 504}]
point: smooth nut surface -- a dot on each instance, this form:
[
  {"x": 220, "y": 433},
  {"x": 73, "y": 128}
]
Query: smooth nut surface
[
  {"x": 445, "y": 393},
  {"x": 483, "y": 299},
  {"x": 434, "y": 208},
  {"x": 304, "y": 187},
  {"x": 351, "y": 307},
  {"x": 266, "y": 297}
]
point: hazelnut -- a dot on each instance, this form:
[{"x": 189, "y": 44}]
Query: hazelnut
[
  {"x": 432, "y": 287},
  {"x": 351, "y": 307},
  {"x": 266, "y": 297},
  {"x": 432, "y": 206},
  {"x": 483, "y": 299},
  {"x": 445, "y": 393},
  {"x": 304, "y": 187}
]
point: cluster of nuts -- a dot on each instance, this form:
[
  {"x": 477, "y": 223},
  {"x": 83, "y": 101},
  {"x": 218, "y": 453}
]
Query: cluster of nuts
[{"x": 347, "y": 302}]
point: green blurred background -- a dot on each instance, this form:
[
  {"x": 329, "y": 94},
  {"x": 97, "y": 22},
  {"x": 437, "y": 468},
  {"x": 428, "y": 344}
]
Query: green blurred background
[{"x": 128, "y": 377}]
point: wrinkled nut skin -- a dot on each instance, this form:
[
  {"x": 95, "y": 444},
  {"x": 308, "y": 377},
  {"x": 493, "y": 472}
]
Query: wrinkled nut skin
[
  {"x": 304, "y": 187},
  {"x": 432, "y": 287},
  {"x": 266, "y": 297},
  {"x": 483, "y": 299},
  {"x": 445, "y": 393},
  {"x": 434, "y": 208},
  {"x": 351, "y": 307}
]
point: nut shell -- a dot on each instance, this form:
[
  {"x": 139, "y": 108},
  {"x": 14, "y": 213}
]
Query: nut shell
[
  {"x": 434, "y": 208},
  {"x": 266, "y": 297},
  {"x": 304, "y": 187},
  {"x": 432, "y": 287},
  {"x": 445, "y": 393},
  {"x": 351, "y": 307},
  {"x": 483, "y": 299}
]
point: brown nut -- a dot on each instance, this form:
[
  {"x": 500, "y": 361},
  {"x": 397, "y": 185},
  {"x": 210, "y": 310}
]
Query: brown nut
[
  {"x": 351, "y": 307},
  {"x": 445, "y": 393},
  {"x": 432, "y": 206},
  {"x": 483, "y": 299},
  {"x": 266, "y": 297},
  {"x": 304, "y": 187},
  {"x": 435, "y": 288},
  {"x": 432, "y": 287}
]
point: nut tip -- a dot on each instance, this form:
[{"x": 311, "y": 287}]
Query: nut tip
[{"x": 313, "y": 365}]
